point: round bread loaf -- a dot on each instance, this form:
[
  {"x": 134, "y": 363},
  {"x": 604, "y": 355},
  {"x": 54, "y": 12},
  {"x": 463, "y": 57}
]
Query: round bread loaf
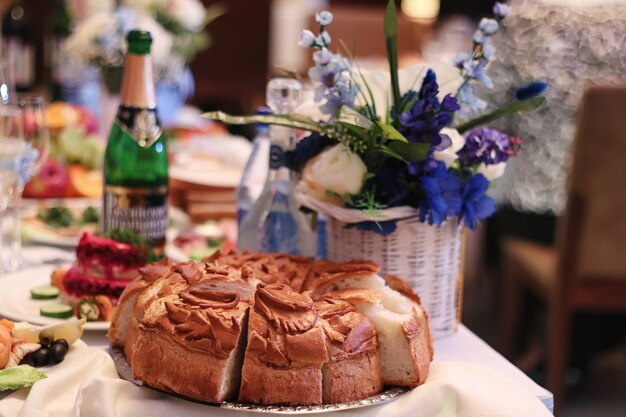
[{"x": 271, "y": 329}]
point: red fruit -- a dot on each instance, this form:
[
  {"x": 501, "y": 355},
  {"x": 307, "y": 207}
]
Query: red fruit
[
  {"x": 49, "y": 183},
  {"x": 86, "y": 119}
]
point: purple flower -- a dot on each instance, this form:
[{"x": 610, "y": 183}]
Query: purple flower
[
  {"x": 476, "y": 204},
  {"x": 306, "y": 39},
  {"x": 322, "y": 57},
  {"x": 488, "y": 26},
  {"x": 427, "y": 116},
  {"x": 323, "y": 39},
  {"x": 501, "y": 10},
  {"x": 442, "y": 195},
  {"x": 485, "y": 145},
  {"x": 531, "y": 90}
]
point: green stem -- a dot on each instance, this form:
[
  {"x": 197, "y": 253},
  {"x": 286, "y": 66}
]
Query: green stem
[{"x": 391, "y": 39}]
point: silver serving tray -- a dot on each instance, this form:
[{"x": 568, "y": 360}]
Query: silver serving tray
[{"x": 124, "y": 371}]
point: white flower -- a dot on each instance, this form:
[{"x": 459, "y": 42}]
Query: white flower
[
  {"x": 187, "y": 13},
  {"x": 84, "y": 9},
  {"x": 82, "y": 45},
  {"x": 448, "y": 156},
  {"x": 324, "y": 18},
  {"x": 145, "y": 5},
  {"x": 410, "y": 78},
  {"x": 493, "y": 171},
  {"x": 162, "y": 40},
  {"x": 338, "y": 170}
]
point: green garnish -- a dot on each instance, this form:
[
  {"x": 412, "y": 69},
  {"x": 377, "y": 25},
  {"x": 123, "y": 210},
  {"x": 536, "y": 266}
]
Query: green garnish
[
  {"x": 133, "y": 238},
  {"x": 56, "y": 217},
  {"x": 90, "y": 215},
  {"x": 61, "y": 216},
  {"x": 19, "y": 377}
]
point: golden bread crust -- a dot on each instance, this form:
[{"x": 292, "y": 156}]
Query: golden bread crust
[{"x": 184, "y": 328}]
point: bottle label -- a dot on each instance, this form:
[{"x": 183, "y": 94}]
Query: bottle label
[
  {"x": 141, "y": 209},
  {"x": 141, "y": 124},
  {"x": 277, "y": 156}
]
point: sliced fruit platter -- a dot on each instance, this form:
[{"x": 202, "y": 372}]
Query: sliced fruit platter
[
  {"x": 25, "y": 347},
  {"x": 73, "y": 168}
]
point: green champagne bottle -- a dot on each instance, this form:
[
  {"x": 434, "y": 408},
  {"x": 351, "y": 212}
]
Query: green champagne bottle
[{"x": 135, "y": 161}]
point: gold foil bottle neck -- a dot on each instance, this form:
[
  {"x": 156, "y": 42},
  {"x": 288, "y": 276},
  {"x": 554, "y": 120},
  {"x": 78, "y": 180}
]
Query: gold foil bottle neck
[{"x": 138, "y": 82}]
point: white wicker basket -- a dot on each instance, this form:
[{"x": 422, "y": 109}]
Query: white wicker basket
[{"x": 430, "y": 258}]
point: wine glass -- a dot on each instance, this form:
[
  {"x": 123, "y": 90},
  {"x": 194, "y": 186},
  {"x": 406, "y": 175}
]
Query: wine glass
[
  {"x": 12, "y": 148},
  {"x": 35, "y": 133},
  {"x": 35, "y": 146}
]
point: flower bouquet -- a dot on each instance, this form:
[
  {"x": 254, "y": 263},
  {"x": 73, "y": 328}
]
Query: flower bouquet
[
  {"x": 98, "y": 37},
  {"x": 400, "y": 162},
  {"x": 97, "y": 45}
]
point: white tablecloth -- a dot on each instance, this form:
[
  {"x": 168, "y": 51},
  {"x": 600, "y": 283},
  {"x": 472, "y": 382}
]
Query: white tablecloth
[
  {"x": 87, "y": 384},
  {"x": 467, "y": 379}
]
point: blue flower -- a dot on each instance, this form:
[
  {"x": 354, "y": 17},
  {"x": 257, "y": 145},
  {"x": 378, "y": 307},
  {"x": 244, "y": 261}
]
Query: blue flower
[
  {"x": 388, "y": 185},
  {"x": 442, "y": 195},
  {"x": 531, "y": 90},
  {"x": 472, "y": 104},
  {"x": 382, "y": 228},
  {"x": 476, "y": 204},
  {"x": 485, "y": 145},
  {"x": 324, "y": 18},
  {"x": 427, "y": 115},
  {"x": 306, "y": 149},
  {"x": 501, "y": 10}
]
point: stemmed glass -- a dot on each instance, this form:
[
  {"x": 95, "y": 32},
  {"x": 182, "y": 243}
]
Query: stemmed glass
[
  {"x": 12, "y": 148},
  {"x": 34, "y": 138}
]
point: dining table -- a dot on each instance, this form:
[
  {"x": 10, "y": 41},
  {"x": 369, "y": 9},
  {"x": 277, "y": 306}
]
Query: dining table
[{"x": 466, "y": 378}]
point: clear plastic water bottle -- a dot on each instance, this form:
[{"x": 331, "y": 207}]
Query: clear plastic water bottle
[
  {"x": 275, "y": 223},
  {"x": 255, "y": 172}
]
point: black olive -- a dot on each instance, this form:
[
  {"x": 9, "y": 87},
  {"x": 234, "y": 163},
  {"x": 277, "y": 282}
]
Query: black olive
[
  {"x": 62, "y": 342},
  {"x": 28, "y": 359},
  {"x": 57, "y": 352},
  {"x": 40, "y": 356}
]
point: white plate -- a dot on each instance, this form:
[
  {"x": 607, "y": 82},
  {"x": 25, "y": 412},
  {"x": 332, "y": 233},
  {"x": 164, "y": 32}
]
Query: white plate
[
  {"x": 16, "y": 304},
  {"x": 34, "y": 232},
  {"x": 215, "y": 161}
]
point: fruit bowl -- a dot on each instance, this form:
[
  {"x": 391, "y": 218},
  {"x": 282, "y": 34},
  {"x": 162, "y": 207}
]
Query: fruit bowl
[{"x": 75, "y": 158}]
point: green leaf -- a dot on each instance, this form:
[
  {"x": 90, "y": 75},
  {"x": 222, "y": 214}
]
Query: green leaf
[
  {"x": 368, "y": 175},
  {"x": 349, "y": 116},
  {"x": 288, "y": 120},
  {"x": 410, "y": 151},
  {"x": 513, "y": 108},
  {"x": 391, "y": 39},
  {"x": 390, "y": 152},
  {"x": 19, "y": 377},
  {"x": 391, "y": 133},
  {"x": 391, "y": 20}
]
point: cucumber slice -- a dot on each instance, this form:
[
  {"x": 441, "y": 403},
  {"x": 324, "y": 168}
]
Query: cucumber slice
[
  {"x": 44, "y": 292},
  {"x": 58, "y": 311}
]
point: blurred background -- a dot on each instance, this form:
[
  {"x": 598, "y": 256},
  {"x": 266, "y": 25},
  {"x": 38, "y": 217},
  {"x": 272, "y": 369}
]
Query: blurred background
[{"x": 227, "y": 57}]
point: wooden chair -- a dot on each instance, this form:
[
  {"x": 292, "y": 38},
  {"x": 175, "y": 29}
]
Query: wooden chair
[{"x": 586, "y": 270}]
